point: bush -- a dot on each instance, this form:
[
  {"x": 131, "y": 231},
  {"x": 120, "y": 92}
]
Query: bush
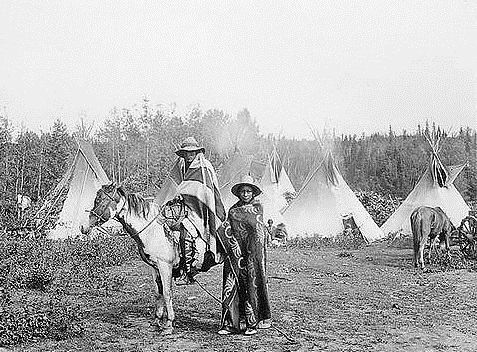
[
  {"x": 314, "y": 242},
  {"x": 61, "y": 268},
  {"x": 350, "y": 239},
  {"x": 34, "y": 320}
]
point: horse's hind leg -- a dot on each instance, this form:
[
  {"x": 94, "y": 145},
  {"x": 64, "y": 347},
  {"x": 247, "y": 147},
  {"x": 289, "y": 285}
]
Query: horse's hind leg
[
  {"x": 421, "y": 251},
  {"x": 416, "y": 255},
  {"x": 431, "y": 248},
  {"x": 165, "y": 270},
  {"x": 159, "y": 312}
]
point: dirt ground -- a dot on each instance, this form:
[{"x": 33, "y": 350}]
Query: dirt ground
[{"x": 370, "y": 299}]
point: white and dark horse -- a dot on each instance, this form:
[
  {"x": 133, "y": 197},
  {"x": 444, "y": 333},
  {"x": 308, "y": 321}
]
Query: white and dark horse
[{"x": 145, "y": 222}]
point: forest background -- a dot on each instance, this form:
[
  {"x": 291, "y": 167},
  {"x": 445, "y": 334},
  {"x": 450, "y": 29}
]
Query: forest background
[{"x": 136, "y": 148}]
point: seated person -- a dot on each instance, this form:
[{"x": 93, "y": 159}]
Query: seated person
[{"x": 279, "y": 236}]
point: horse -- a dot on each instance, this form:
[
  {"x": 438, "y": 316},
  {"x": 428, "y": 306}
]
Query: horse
[
  {"x": 429, "y": 223},
  {"x": 151, "y": 227}
]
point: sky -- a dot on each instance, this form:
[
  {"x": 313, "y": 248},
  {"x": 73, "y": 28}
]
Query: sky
[{"x": 353, "y": 66}]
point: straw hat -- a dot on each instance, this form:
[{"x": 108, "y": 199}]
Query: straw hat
[
  {"x": 189, "y": 145},
  {"x": 247, "y": 180}
]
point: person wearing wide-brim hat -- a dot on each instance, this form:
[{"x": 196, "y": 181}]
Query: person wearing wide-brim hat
[
  {"x": 246, "y": 184},
  {"x": 244, "y": 272},
  {"x": 189, "y": 145},
  {"x": 193, "y": 173}
]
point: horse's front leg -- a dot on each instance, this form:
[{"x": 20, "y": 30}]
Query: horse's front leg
[
  {"x": 165, "y": 271},
  {"x": 160, "y": 311}
]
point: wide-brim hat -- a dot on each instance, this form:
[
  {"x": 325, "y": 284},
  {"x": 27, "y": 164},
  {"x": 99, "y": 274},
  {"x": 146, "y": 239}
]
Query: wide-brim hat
[
  {"x": 189, "y": 145},
  {"x": 247, "y": 180}
]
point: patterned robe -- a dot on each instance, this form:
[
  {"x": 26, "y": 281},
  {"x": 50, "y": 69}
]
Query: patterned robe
[{"x": 244, "y": 290}]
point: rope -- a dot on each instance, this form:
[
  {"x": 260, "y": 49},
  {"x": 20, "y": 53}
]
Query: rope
[
  {"x": 206, "y": 291},
  {"x": 218, "y": 300},
  {"x": 284, "y": 335}
]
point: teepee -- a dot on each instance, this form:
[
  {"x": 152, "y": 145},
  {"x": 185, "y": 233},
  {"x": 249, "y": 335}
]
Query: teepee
[
  {"x": 274, "y": 184},
  {"x": 74, "y": 195},
  {"x": 231, "y": 173},
  {"x": 323, "y": 202},
  {"x": 435, "y": 188},
  {"x": 279, "y": 175}
]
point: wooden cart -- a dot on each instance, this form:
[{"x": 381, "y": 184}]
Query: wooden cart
[{"x": 466, "y": 235}]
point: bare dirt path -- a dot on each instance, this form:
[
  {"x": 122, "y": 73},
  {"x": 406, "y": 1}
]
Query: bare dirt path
[{"x": 326, "y": 300}]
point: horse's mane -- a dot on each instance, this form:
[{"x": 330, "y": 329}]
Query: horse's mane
[{"x": 138, "y": 205}]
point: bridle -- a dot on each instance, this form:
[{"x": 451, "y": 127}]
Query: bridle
[{"x": 94, "y": 210}]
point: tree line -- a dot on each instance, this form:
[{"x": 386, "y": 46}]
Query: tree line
[{"x": 136, "y": 148}]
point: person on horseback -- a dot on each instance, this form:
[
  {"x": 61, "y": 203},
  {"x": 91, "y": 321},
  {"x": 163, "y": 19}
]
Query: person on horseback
[{"x": 197, "y": 187}]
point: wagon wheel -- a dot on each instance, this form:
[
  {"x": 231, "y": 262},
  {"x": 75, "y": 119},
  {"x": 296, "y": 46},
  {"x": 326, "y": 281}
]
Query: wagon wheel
[
  {"x": 455, "y": 237},
  {"x": 468, "y": 236}
]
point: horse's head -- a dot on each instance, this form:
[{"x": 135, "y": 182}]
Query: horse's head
[{"x": 109, "y": 201}]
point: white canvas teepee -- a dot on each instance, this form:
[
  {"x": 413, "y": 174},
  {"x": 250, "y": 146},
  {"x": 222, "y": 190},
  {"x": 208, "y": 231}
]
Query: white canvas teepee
[
  {"x": 435, "y": 188},
  {"x": 322, "y": 203},
  {"x": 272, "y": 197},
  {"x": 81, "y": 182},
  {"x": 284, "y": 183},
  {"x": 279, "y": 175},
  {"x": 231, "y": 173}
]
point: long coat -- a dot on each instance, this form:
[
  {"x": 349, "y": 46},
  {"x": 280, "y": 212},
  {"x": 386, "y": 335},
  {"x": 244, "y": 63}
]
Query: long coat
[{"x": 244, "y": 290}]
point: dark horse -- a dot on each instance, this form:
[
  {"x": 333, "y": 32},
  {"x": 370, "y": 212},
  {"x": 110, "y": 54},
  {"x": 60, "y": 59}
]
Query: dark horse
[
  {"x": 428, "y": 223},
  {"x": 149, "y": 226}
]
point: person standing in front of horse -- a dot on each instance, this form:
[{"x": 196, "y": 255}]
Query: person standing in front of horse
[
  {"x": 244, "y": 290},
  {"x": 197, "y": 185}
]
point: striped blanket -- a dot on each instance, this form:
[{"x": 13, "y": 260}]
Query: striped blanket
[{"x": 200, "y": 190}]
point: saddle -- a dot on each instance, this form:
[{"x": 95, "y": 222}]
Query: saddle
[{"x": 173, "y": 213}]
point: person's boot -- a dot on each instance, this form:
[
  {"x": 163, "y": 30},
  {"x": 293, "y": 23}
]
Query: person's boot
[{"x": 188, "y": 261}]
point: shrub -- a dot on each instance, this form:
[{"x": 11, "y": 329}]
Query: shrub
[
  {"x": 39, "y": 265},
  {"x": 314, "y": 242},
  {"x": 350, "y": 239},
  {"x": 34, "y": 320}
]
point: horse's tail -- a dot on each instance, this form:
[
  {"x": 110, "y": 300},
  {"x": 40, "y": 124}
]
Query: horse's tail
[
  {"x": 415, "y": 225},
  {"x": 417, "y": 234}
]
